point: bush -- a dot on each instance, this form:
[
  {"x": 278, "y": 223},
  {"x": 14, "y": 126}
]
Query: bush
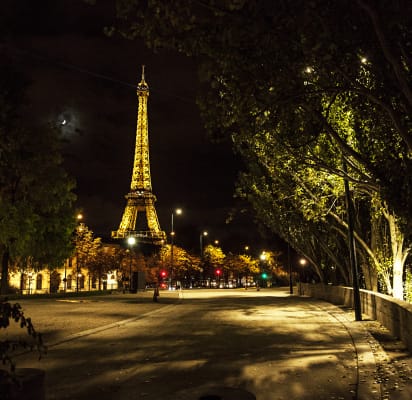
[{"x": 13, "y": 313}]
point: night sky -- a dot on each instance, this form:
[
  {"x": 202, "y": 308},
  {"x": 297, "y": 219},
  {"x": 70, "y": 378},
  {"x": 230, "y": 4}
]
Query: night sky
[{"x": 86, "y": 82}]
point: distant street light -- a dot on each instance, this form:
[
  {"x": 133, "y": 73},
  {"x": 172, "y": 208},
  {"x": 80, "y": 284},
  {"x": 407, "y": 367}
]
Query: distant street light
[
  {"x": 263, "y": 257},
  {"x": 80, "y": 229},
  {"x": 131, "y": 241},
  {"x": 204, "y": 233},
  {"x": 178, "y": 211},
  {"x": 302, "y": 262},
  {"x": 290, "y": 272}
]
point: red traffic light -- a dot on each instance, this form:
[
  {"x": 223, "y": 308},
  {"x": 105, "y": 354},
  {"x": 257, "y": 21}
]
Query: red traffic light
[
  {"x": 163, "y": 274},
  {"x": 218, "y": 272}
]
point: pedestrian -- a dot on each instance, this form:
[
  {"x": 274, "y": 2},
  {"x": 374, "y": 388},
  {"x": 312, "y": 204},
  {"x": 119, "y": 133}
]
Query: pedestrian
[{"x": 156, "y": 293}]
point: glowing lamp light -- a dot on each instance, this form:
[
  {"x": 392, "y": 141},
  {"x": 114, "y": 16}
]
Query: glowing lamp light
[{"x": 131, "y": 241}]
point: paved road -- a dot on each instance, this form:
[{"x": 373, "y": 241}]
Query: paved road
[{"x": 211, "y": 345}]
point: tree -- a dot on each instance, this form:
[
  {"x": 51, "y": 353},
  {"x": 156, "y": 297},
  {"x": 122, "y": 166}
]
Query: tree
[
  {"x": 185, "y": 265},
  {"x": 106, "y": 260},
  {"x": 329, "y": 83},
  {"x": 36, "y": 194},
  {"x": 213, "y": 259},
  {"x": 87, "y": 246},
  {"x": 241, "y": 265}
]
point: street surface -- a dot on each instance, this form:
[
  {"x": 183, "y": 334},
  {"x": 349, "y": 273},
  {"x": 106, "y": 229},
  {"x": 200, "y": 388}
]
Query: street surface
[{"x": 205, "y": 344}]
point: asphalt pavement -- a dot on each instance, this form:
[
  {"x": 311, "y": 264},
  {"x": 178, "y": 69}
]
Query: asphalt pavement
[{"x": 211, "y": 345}]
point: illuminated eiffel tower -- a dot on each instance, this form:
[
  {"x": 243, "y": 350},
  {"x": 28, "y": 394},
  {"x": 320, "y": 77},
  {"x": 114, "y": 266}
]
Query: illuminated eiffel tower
[{"x": 139, "y": 218}]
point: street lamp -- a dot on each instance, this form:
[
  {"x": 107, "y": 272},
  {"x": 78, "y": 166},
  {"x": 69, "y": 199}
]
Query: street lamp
[
  {"x": 178, "y": 211},
  {"x": 131, "y": 241},
  {"x": 263, "y": 257},
  {"x": 204, "y": 233},
  {"x": 302, "y": 262},
  {"x": 80, "y": 228},
  {"x": 79, "y": 276},
  {"x": 290, "y": 271}
]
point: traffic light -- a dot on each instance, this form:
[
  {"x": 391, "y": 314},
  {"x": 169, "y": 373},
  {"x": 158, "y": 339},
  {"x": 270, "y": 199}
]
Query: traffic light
[
  {"x": 218, "y": 272},
  {"x": 264, "y": 275},
  {"x": 163, "y": 274}
]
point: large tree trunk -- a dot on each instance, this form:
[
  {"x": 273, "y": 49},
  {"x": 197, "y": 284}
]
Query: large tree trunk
[
  {"x": 398, "y": 276},
  {"x": 399, "y": 255},
  {"x": 4, "y": 284}
]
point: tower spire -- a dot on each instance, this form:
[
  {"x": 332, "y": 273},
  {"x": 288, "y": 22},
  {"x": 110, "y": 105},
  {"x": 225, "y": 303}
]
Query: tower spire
[{"x": 139, "y": 217}]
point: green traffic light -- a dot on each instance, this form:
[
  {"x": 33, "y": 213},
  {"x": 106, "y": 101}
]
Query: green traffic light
[{"x": 264, "y": 275}]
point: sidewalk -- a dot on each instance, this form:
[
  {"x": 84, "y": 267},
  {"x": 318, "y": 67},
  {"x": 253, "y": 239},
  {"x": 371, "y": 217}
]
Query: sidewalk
[{"x": 384, "y": 363}]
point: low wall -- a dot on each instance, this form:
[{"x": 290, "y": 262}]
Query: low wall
[{"x": 395, "y": 315}]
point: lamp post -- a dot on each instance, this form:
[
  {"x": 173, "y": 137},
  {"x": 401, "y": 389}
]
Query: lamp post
[
  {"x": 302, "y": 262},
  {"x": 246, "y": 249},
  {"x": 80, "y": 228},
  {"x": 178, "y": 211},
  {"x": 79, "y": 276},
  {"x": 263, "y": 258},
  {"x": 290, "y": 272},
  {"x": 131, "y": 241},
  {"x": 204, "y": 233}
]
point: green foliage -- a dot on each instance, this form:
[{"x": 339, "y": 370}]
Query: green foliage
[
  {"x": 301, "y": 88},
  {"x": 13, "y": 313},
  {"x": 36, "y": 195},
  {"x": 282, "y": 67},
  {"x": 184, "y": 263},
  {"x": 241, "y": 264},
  {"x": 86, "y": 247},
  {"x": 213, "y": 256}
]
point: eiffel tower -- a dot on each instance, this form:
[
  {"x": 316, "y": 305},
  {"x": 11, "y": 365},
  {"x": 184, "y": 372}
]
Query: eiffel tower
[{"x": 139, "y": 218}]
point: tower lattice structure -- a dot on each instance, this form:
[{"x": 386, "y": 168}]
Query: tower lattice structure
[{"x": 139, "y": 218}]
